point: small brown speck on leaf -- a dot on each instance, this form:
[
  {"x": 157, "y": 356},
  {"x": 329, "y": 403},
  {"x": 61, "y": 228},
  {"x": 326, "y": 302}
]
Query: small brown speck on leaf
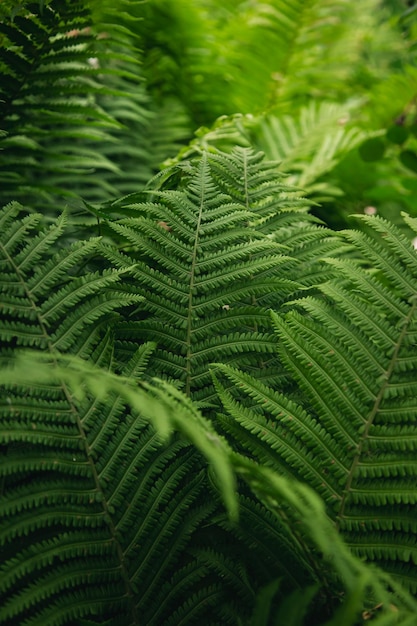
[{"x": 165, "y": 226}]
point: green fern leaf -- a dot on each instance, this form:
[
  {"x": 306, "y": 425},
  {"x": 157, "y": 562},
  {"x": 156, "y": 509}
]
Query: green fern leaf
[
  {"x": 57, "y": 79},
  {"x": 47, "y": 318},
  {"x": 94, "y": 501},
  {"x": 202, "y": 267},
  {"x": 310, "y": 144},
  {"x": 351, "y": 432},
  {"x": 369, "y": 592}
]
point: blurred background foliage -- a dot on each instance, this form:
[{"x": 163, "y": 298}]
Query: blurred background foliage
[{"x": 328, "y": 88}]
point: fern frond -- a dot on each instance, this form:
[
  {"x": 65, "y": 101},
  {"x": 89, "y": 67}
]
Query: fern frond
[
  {"x": 368, "y": 591},
  {"x": 93, "y": 546},
  {"x": 46, "y": 90},
  {"x": 310, "y": 144},
  {"x": 148, "y": 131},
  {"x": 306, "y": 145},
  {"x": 256, "y": 184},
  {"x": 70, "y": 98},
  {"x": 202, "y": 263},
  {"x": 143, "y": 517},
  {"x": 282, "y": 214},
  {"x": 351, "y": 433},
  {"x": 333, "y": 34},
  {"x": 53, "y": 307},
  {"x": 94, "y": 502},
  {"x": 102, "y": 477}
]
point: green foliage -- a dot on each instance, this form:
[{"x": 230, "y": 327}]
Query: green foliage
[
  {"x": 307, "y": 60},
  {"x": 204, "y": 244},
  {"x": 311, "y": 144},
  {"x": 75, "y": 117},
  {"x": 47, "y": 108},
  {"x": 53, "y": 503},
  {"x": 350, "y": 435},
  {"x": 79, "y": 472},
  {"x": 173, "y": 452},
  {"x": 296, "y": 50}
]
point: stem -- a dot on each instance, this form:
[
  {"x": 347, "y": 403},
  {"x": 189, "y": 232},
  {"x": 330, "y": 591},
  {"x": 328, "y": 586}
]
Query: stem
[
  {"x": 188, "y": 368},
  {"x": 378, "y": 401}
]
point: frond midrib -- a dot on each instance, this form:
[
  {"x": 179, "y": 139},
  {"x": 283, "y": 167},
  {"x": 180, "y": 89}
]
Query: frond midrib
[
  {"x": 188, "y": 357},
  {"x": 373, "y": 413}
]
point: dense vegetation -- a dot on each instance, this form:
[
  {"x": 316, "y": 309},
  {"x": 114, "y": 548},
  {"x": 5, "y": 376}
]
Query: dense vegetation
[{"x": 208, "y": 394}]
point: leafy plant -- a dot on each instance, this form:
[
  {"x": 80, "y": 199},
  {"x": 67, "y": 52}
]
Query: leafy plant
[
  {"x": 77, "y": 471},
  {"x": 208, "y": 410},
  {"x": 310, "y": 145},
  {"x": 47, "y": 106},
  {"x": 73, "y": 104},
  {"x": 215, "y": 268},
  {"x": 47, "y": 427},
  {"x": 338, "y": 76},
  {"x": 350, "y": 435}
]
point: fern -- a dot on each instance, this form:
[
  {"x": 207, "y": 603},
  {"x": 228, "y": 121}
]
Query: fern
[
  {"x": 47, "y": 85},
  {"x": 93, "y": 501},
  {"x": 216, "y": 229},
  {"x": 338, "y": 50},
  {"x": 95, "y": 521},
  {"x": 350, "y": 435},
  {"x": 309, "y": 145},
  {"x": 369, "y": 593},
  {"x": 51, "y": 318},
  {"x": 71, "y": 95},
  {"x": 238, "y": 39},
  {"x": 109, "y": 514},
  {"x": 301, "y": 513},
  {"x": 201, "y": 266},
  {"x": 276, "y": 54},
  {"x": 166, "y": 244},
  {"x": 148, "y": 132}
]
